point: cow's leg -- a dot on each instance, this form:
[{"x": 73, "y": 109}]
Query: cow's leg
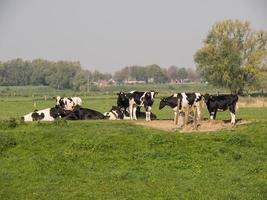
[
  {"x": 186, "y": 115},
  {"x": 232, "y": 118},
  {"x": 199, "y": 114},
  {"x": 134, "y": 113},
  {"x": 232, "y": 112},
  {"x": 131, "y": 111},
  {"x": 212, "y": 114},
  {"x": 175, "y": 118},
  {"x": 148, "y": 113}
]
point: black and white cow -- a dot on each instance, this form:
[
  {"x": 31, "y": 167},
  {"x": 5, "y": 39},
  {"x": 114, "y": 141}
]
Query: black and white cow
[
  {"x": 118, "y": 113},
  {"x": 48, "y": 114},
  {"x": 142, "y": 115},
  {"x": 68, "y": 103},
  {"x": 123, "y": 100},
  {"x": 221, "y": 103},
  {"x": 187, "y": 101},
  {"x": 142, "y": 99},
  {"x": 79, "y": 113}
]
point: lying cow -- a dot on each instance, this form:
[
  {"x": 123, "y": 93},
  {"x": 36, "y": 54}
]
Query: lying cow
[
  {"x": 187, "y": 102},
  {"x": 221, "y": 103},
  {"x": 79, "y": 113},
  {"x": 118, "y": 113},
  {"x": 68, "y": 103},
  {"x": 48, "y": 114}
]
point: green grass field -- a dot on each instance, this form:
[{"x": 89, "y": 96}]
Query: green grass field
[{"x": 120, "y": 160}]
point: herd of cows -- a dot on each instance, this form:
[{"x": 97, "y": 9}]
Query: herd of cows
[{"x": 129, "y": 107}]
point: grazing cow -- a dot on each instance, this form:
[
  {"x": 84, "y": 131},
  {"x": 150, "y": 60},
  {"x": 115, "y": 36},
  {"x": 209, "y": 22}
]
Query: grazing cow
[
  {"x": 118, "y": 113},
  {"x": 48, "y": 114},
  {"x": 187, "y": 101},
  {"x": 68, "y": 103},
  {"x": 79, "y": 113},
  {"x": 221, "y": 103},
  {"x": 141, "y": 99}
]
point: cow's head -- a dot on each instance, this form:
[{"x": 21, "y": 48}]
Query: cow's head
[
  {"x": 149, "y": 97},
  {"x": 22, "y": 119},
  {"x": 57, "y": 98},
  {"x": 61, "y": 102},
  {"x": 118, "y": 111},
  {"x": 57, "y": 112},
  {"x": 207, "y": 97},
  {"x": 153, "y": 94},
  {"x": 123, "y": 99},
  {"x": 122, "y": 96},
  {"x": 162, "y": 103}
]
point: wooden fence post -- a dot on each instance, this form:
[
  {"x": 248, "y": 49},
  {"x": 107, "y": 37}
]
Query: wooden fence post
[
  {"x": 34, "y": 105},
  {"x": 177, "y": 111},
  {"x": 195, "y": 118}
]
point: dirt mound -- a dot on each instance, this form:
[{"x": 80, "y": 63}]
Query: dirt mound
[{"x": 203, "y": 126}]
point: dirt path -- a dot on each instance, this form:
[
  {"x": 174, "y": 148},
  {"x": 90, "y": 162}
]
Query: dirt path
[{"x": 204, "y": 126}]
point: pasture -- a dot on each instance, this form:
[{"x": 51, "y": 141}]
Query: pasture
[{"x": 122, "y": 160}]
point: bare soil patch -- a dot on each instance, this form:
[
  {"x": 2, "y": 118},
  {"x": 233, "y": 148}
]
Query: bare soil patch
[{"x": 203, "y": 126}]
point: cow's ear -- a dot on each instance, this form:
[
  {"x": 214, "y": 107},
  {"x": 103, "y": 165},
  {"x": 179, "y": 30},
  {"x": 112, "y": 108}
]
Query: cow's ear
[{"x": 156, "y": 93}]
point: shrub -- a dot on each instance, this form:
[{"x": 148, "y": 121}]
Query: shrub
[
  {"x": 10, "y": 123},
  {"x": 6, "y": 142}
]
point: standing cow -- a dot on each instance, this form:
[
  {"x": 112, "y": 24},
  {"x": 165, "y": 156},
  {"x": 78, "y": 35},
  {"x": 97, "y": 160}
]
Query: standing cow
[
  {"x": 142, "y": 99},
  {"x": 187, "y": 101},
  {"x": 135, "y": 100},
  {"x": 221, "y": 103}
]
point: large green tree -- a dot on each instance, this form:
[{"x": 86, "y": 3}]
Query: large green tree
[{"x": 232, "y": 55}]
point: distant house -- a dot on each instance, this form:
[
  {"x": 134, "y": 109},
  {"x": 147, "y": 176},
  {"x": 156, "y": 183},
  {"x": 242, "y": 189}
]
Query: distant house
[
  {"x": 134, "y": 82},
  {"x": 105, "y": 83}
]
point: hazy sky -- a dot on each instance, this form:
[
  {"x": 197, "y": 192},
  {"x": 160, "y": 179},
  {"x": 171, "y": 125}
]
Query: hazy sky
[{"x": 110, "y": 34}]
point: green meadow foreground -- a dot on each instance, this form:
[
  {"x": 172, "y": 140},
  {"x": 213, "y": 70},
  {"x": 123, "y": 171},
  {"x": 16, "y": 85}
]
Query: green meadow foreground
[{"x": 120, "y": 160}]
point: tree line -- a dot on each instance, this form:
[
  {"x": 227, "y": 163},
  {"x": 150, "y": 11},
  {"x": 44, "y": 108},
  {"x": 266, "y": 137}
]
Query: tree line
[
  {"x": 155, "y": 74},
  {"x": 59, "y": 75},
  {"x": 234, "y": 56},
  {"x": 70, "y": 75}
]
